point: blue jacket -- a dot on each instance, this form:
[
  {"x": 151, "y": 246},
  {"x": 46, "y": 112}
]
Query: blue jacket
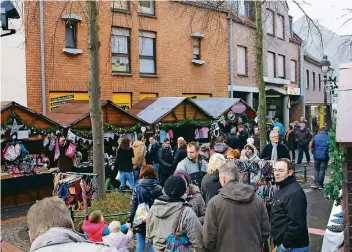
[
  {"x": 321, "y": 146},
  {"x": 281, "y": 127}
]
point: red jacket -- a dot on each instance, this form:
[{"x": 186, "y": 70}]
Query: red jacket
[{"x": 95, "y": 231}]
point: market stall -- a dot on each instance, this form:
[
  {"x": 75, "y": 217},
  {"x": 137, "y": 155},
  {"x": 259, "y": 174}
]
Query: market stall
[
  {"x": 173, "y": 117},
  {"x": 25, "y": 161},
  {"x": 74, "y": 117}
]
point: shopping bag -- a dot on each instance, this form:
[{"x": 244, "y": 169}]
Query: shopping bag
[
  {"x": 142, "y": 210},
  {"x": 118, "y": 176}
]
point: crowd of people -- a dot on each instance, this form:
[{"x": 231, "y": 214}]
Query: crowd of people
[{"x": 194, "y": 198}]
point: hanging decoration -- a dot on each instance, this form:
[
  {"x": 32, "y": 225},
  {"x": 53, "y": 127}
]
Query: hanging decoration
[
  {"x": 332, "y": 189},
  {"x": 197, "y": 123},
  {"x": 24, "y": 125},
  {"x": 231, "y": 116},
  {"x": 14, "y": 127}
]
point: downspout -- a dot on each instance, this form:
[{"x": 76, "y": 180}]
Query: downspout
[
  {"x": 42, "y": 65},
  {"x": 302, "y": 84},
  {"x": 230, "y": 54}
]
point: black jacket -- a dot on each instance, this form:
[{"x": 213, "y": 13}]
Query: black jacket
[
  {"x": 210, "y": 186},
  {"x": 123, "y": 161},
  {"x": 289, "y": 215},
  {"x": 257, "y": 142},
  {"x": 149, "y": 190},
  {"x": 290, "y": 142},
  {"x": 282, "y": 152},
  {"x": 303, "y": 137},
  {"x": 152, "y": 153},
  {"x": 165, "y": 160},
  {"x": 180, "y": 154},
  {"x": 233, "y": 141},
  {"x": 243, "y": 136}
]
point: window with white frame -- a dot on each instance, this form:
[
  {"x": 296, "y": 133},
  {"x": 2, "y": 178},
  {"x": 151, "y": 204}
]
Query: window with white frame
[
  {"x": 196, "y": 48},
  {"x": 271, "y": 64},
  {"x": 270, "y": 22},
  {"x": 241, "y": 60},
  {"x": 120, "y": 44},
  {"x": 293, "y": 71},
  {"x": 147, "y": 58},
  {"x": 280, "y": 26},
  {"x": 123, "y": 5},
  {"x": 281, "y": 66},
  {"x": 147, "y": 7}
]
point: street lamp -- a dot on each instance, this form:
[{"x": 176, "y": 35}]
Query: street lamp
[{"x": 325, "y": 64}]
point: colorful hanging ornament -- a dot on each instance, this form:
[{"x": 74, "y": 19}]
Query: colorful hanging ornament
[{"x": 14, "y": 127}]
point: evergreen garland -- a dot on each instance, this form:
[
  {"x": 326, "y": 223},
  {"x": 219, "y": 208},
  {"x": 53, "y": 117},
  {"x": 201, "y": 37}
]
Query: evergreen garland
[
  {"x": 332, "y": 189},
  {"x": 173, "y": 126},
  {"x": 108, "y": 128}
]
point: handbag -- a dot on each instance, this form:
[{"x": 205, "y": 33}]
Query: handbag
[
  {"x": 175, "y": 241},
  {"x": 118, "y": 176},
  {"x": 142, "y": 211},
  {"x": 71, "y": 150}
]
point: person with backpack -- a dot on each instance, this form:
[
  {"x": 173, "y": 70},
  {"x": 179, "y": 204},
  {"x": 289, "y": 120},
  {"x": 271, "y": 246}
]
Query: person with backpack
[
  {"x": 146, "y": 191},
  {"x": 171, "y": 216}
]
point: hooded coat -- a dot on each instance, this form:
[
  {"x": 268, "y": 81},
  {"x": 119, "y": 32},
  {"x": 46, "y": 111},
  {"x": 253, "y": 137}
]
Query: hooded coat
[
  {"x": 140, "y": 152},
  {"x": 210, "y": 186},
  {"x": 162, "y": 223},
  {"x": 236, "y": 218},
  {"x": 63, "y": 239},
  {"x": 196, "y": 201}
]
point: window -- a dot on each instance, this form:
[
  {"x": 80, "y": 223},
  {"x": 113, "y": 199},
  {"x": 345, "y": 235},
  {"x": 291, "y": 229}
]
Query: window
[
  {"x": 120, "y": 39},
  {"x": 71, "y": 34},
  {"x": 249, "y": 8},
  {"x": 147, "y": 7},
  {"x": 291, "y": 26},
  {"x": 196, "y": 48},
  {"x": 307, "y": 79},
  {"x": 271, "y": 64},
  {"x": 281, "y": 73},
  {"x": 242, "y": 60},
  {"x": 280, "y": 26},
  {"x": 237, "y": 6},
  {"x": 313, "y": 81},
  {"x": 319, "y": 79},
  {"x": 147, "y": 52},
  {"x": 293, "y": 70},
  {"x": 270, "y": 22},
  {"x": 120, "y": 5}
]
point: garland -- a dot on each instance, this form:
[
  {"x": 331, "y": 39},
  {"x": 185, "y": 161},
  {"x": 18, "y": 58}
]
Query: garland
[
  {"x": 332, "y": 189},
  {"x": 173, "y": 126},
  {"x": 26, "y": 126},
  {"x": 108, "y": 127}
]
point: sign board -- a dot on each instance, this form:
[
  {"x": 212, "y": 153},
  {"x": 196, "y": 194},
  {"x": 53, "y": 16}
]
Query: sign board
[
  {"x": 293, "y": 91},
  {"x": 58, "y": 98},
  {"x": 124, "y": 100},
  {"x": 238, "y": 108}
]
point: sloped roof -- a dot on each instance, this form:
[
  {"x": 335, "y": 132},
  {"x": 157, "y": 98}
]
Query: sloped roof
[
  {"x": 74, "y": 111},
  {"x": 159, "y": 107},
  {"x": 217, "y": 106}
]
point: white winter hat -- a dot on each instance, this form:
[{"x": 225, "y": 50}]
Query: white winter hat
[
  {"x": 216, "y": 161},
  {"x": 250, "y": 140}
]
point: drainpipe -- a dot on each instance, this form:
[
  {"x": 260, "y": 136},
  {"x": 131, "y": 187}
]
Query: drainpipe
[
  {"x": 42, "y": 66},
  {"x": 302, "y": 86},
  {"x": 231, "y": 54}
]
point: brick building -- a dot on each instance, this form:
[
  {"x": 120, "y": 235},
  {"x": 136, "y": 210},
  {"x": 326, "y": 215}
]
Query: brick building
[{"x": 147, "y": 49}]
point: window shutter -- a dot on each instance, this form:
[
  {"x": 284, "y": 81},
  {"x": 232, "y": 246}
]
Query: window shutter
[
  {"x": 270, "y": 22},
  {"x": 280, "y": 63},
  {"x": 280, "y": 26},
  {"x": 241, "y": 60},
  {"x": 293, "y": 71},
  {"x": 271, "y": 65}
]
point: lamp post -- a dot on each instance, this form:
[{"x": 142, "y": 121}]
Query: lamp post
[{"x": 325, "y": 64}]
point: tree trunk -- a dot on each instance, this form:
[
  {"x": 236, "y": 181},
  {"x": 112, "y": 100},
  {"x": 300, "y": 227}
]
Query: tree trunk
[
  {"x": 260, "y": 75},
  {"x": 94, "y": 93}
]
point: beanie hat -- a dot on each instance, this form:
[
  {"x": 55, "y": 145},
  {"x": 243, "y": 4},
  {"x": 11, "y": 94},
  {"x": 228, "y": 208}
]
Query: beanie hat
[
  {"x": 123, "y": 228},
  {"x": 250, "y": 140},
  {"x": 184, "y": 174},
  {"x": 175, "y": 187},
  {"x": 216, "y": 161}
]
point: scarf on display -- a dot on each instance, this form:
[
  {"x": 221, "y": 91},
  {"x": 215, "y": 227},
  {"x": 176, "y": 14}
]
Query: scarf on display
[{"x": 274, "y": 152}]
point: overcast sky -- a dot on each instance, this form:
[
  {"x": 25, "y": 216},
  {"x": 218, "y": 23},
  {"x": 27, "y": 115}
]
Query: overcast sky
[{"x": 328, "y": 13}]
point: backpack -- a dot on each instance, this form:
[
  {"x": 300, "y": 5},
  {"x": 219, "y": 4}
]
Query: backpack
[{"x": 175, "y": 241}]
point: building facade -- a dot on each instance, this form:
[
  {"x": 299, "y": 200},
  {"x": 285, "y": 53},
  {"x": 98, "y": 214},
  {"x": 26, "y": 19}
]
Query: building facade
[
  {"x": 148, "y": 49},
  {"x": 281, "y": 60}
]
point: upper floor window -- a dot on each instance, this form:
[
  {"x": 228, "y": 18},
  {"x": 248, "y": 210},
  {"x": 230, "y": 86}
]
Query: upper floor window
[
  {"x": 270, "y": 22},
  {"x": 281, "y": 73},
  {"x": 313, "y": 81},
  {"x": 319, "y": 80},
  {"x": 123, "y": 5},
  {"x": 280, "y": 26},
  {"x": 120, "y": 40},
  {"x": 196, "y": 48},
  {"x": 147, "y": 7},
  {"x": 147, "y": 52},
  {"x": 271, "y": 65},
  {"x": 307, "y": 79},
  {"x": 71, "y": 34},
  {"x": 242, "y": 60},
  {"x": 293, "y": 71},
  {"x": 291, "y": 26}
]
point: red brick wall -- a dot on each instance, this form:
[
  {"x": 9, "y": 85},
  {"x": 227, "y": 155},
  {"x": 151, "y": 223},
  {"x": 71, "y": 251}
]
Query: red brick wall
[{"x": 173, "y": 23}]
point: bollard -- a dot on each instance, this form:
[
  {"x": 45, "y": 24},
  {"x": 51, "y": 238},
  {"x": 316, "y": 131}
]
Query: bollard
[{"x": 305, "y": 174}]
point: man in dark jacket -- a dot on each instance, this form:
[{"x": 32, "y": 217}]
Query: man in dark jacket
[
  {"x": 242, "y": 135},
  {"x": 289, "y": 211},
  {"x": 165, "y": 160},
  {"x": 303, "y": 137},
  {"x": 232, "y": 139},
  {"x": 236, "y": 219},
  {"x": 275, "y": 150},
  {"x": 152, "y": 153},
  {"x": 320, "y": 150},
  {"x": 315, "y": 125}
]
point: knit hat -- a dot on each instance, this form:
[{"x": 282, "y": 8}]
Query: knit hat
[
  {"x": 175, "y": 187},
  {"x": 184, "y": 174},
  {"x": 215, "y": 162},
  {"x": 123, "y": 228},
  {"x": 250, "y": 140}
]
